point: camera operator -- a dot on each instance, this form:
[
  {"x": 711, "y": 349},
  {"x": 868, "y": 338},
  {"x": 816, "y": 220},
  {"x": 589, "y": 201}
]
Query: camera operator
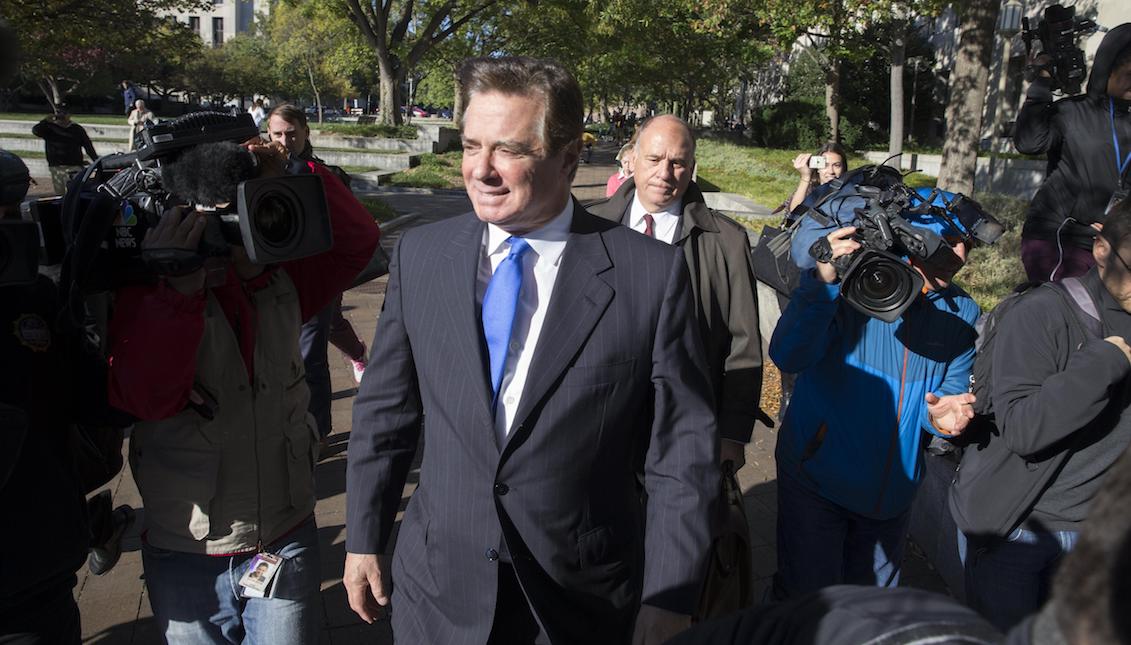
[
  {"x": 224, "y": 451},
  {"x": 848, "y": 452},
  {"x": 48, "y": 382},
  {"x": 1088, "y": 142}
]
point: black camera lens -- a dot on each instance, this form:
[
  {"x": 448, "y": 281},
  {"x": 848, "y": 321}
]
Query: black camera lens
[
  {"x": 881, "y": 285},
  {"x": 277, "y": 220}
]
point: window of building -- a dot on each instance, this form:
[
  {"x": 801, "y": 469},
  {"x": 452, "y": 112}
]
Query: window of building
[
  {"x": 217, "y": 32},
  {"x": 194, "y": 24}
]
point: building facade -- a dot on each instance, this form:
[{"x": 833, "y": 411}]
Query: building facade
[{"x": 223, "y": 19}]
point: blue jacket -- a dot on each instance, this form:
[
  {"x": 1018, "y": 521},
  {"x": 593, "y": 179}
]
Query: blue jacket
[{"x": 852, "y": 433}]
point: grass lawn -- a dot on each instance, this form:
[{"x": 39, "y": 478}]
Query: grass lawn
[
  {"x": 380, "y": 211},
  {"x": 765, "y": 175},
  {"x": 97, "y": 119},
  {"x": 435, "y": 171}
]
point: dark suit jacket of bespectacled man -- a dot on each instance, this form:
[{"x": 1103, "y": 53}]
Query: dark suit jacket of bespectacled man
[{"x": 529, "y": 523}]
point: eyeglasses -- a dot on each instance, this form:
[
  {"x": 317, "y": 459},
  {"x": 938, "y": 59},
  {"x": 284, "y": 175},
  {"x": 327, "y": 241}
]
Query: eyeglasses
[{"x": 1121, "y": 260}]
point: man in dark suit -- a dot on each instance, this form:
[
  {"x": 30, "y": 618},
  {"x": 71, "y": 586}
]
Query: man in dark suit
[
  {"x": 660, "y": 200},
  {"x": 554, "y": 358}
]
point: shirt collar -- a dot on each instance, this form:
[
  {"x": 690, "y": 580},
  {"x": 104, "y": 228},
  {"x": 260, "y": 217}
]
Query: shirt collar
[
  {"x": 637, "y": 211},
  {"x": 548, "y": 242}
]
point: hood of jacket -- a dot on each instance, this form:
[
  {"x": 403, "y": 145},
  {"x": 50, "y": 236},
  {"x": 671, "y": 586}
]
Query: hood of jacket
[{"x": 1109, "y": 49}]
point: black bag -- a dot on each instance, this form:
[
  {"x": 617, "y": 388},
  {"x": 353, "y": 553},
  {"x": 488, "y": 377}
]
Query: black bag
[
  {"x": 727, "y": 586},
  {"x": 772, "y": 262},
  {"x": 994, "y": 488}
]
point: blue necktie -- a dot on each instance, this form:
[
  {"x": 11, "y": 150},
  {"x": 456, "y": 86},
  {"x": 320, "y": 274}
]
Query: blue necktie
[{"x": 499, "y": 305}]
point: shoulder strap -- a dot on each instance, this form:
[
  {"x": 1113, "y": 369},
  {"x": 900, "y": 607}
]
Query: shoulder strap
[{"x": 1086, "y": 312}]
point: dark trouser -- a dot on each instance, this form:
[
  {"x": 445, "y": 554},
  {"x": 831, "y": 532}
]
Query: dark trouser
[
  {"x": 312, "y": 341},
  {"x": 821, "y": 544},
  {"x": 50, "y": 617},
  {"x": 342, "y": 334},
  {"x": 514, "y": 620},
  {"x": 1007, "y": 579},
  {"x": 1045, "y": 262},
  {"x": 326, "y": 326}
]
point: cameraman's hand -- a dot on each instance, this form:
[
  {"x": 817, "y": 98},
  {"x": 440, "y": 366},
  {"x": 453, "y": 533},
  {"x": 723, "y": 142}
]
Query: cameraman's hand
[
  {"x": 841, "y": 243},
  {"x": 179, "y": 229},
  {"x": 950, "y": 414}
]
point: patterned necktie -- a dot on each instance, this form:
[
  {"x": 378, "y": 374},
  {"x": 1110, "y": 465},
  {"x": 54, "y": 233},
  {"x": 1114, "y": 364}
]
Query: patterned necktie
[
  {"x": 649, "y": 225},
  {"x": 499, "y": 305}
]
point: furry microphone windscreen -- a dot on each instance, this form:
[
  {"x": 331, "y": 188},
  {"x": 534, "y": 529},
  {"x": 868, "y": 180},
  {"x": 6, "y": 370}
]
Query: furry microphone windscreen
[{"x": 209, "y": 174}]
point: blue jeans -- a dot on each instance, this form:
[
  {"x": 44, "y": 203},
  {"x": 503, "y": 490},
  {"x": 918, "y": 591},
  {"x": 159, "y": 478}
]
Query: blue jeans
[
  {"x": 196, "y": 598},
  {"x": 1007, "y": 579},
  {"x": 821, "y": 543}
]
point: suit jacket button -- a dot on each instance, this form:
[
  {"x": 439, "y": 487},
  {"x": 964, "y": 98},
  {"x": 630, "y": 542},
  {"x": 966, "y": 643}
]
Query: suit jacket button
[
  {"x": 502, "y": 489},
  {"x": 492, "y": 555}
]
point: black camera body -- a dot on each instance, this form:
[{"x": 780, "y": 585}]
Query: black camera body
[
  {"x": 106, "y": 212},
  {"x": 1059, "y": 30},
  {"x": 876, "y": 279}
]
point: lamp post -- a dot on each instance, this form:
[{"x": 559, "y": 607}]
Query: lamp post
[{"x": 1009, "y": 25}]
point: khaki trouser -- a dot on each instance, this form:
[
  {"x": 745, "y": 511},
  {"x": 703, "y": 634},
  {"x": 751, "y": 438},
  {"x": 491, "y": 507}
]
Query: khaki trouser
[{"x": 61, "y": 176}]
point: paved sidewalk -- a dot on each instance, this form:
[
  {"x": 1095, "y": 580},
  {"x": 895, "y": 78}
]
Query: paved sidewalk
[{"x": 115, "y": 608}]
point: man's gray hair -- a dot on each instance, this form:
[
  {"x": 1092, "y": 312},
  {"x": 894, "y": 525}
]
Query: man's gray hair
[
  {"x": 666, "y": 117},
  {"x": 544, "y": 79}
]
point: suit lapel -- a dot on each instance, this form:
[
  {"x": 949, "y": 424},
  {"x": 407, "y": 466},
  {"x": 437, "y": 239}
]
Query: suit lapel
[
  {"x": 580, "y": 297},
  {"x": 460, "y": 286}
]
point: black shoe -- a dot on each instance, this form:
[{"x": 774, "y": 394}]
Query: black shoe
[{"x": 104, "y": 556}]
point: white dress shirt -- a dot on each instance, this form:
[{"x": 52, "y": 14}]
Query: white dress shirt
[
  {"x": 539, "y": 273},
  {"x": 667, "y": 221}
]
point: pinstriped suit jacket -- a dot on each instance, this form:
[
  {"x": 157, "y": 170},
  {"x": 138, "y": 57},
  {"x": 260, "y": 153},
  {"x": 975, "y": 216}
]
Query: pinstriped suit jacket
[{"x": 617, "y": 388}]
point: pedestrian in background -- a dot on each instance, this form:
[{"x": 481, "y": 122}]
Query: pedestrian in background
[
  {"x": 65, "y": 142},
  {"x": 137, "y": 120}
]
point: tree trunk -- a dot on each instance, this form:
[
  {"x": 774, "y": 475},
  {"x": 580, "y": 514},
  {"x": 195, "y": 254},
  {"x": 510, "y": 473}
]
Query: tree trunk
[
  {"x": 967, "y": 94},
  {"x": 390, "y": 79},
  {"x": 832, "y": 99},
  {"x": 457, "y": 102},
  {"x": 313, "y": 87},
  {"x": 898, "y": 58}
]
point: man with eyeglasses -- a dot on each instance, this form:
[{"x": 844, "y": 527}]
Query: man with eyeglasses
[{"x": 1062, "y": 397}]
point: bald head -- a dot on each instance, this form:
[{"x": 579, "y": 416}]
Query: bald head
[{"x": 665, "y": 158}]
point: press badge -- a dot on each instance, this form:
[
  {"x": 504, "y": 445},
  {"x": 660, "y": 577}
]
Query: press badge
[
  {"x": 258, "y": 581},
  {"x": 1116, "y": 197}
]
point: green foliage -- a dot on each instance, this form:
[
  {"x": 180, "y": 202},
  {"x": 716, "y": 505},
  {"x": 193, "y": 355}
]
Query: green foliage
[
  {"x": 790, "y": 124},
  {"x": 435, "y": 171},
  {"x": 315, "y": 48},
  {"x": 65, "y": 46}
]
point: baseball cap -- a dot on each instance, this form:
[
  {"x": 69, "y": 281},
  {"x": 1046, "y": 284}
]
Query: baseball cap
[{"x": 14, "y": 179}]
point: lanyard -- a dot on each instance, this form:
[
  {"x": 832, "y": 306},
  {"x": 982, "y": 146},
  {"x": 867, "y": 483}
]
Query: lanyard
[{"x": 1120, "y": 166}]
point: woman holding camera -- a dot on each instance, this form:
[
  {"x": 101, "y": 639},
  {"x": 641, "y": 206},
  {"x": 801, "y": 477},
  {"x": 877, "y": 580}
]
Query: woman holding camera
[{"x": 817, "y": 169}]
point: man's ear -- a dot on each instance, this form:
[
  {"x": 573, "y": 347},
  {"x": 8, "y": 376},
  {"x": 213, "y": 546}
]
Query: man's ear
[{"x": 1100, "y": 248}]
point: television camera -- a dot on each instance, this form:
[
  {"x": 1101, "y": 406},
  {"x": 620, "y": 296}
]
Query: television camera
[{"x": 893, "y": 222}]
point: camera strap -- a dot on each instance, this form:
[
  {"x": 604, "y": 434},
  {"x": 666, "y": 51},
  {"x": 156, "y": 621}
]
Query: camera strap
[{"x": 1121, "y": 162}]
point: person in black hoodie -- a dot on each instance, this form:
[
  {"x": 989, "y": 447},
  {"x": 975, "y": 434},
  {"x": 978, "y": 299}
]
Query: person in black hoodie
[
  {"x": 1088, "y": 142},
  {"x": 48, "y": 382}
]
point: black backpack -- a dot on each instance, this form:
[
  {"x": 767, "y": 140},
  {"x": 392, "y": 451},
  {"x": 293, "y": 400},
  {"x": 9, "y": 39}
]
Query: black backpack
[{"x": 994, "y": 488}]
